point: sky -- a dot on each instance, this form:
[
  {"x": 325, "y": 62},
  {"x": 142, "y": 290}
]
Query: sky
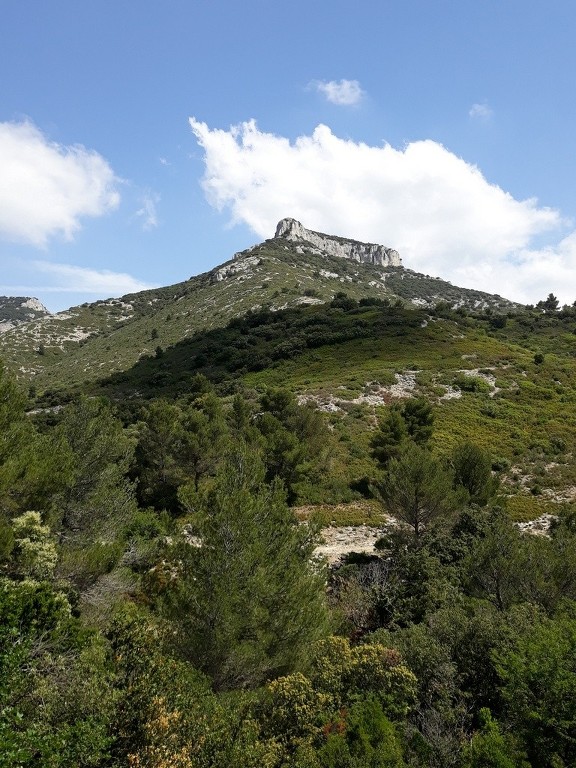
[{"x": 143, "y": 142}]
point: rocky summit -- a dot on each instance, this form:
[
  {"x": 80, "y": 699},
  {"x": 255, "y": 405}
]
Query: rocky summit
[
  {"x": 367, "y": 253},
  {"x": 19, "y": 309}
]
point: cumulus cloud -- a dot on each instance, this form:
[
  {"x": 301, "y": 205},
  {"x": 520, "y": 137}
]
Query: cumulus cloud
[
  {"x": 70, "y": 278},
  {"x": 46, "y": 188},
  {"x": 480, "y": 112},
  {"x": 436, "y": 209},
  {"x": 341, "y": 92},
  {"x": 528, "y": 275}
]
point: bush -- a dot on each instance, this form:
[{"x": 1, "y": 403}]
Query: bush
[{"x": 471, "y": 383}]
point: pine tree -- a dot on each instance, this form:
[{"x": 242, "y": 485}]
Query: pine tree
[
  {"x": 416, "y": 489},
  {"x": 247, "y": 601}
]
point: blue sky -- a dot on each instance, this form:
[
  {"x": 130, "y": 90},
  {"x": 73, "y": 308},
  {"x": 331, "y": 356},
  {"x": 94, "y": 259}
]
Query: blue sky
[{"x": 144, "y": 142}]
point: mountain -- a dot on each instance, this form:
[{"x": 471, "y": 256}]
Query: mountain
[
  {"x": 367, "y": 253},
  {"x": 346, "y": 329},
  {"x": 295, "y": 267},
  {"x": 418, "y": 424},
  {"x": 15, "y": 310}
]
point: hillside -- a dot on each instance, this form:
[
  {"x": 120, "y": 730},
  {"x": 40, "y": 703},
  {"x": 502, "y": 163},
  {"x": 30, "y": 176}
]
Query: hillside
[
  {"x": 345, "y": 336},
  {"x": 351, "y": 360},
  {"x": 300, "y": 511},
  {"x": 92, "y": 340},
  {"x": 15, "y": 310}
]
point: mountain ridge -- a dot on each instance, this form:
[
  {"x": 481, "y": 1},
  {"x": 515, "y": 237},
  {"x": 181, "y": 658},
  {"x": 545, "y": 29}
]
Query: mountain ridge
[
  {"x": 95, "y": 339},
  {"x": 15, "y": 310},
  {"x": 342, "y": 247}
]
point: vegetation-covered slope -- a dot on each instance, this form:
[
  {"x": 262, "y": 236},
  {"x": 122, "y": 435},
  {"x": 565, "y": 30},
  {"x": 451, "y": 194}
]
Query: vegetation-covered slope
[
  {"x": 92, "y": 340},
  {"x": 352, "y": 360},
  {"x": 19, "y": 309},
  {"x": 162, "y": 604}
]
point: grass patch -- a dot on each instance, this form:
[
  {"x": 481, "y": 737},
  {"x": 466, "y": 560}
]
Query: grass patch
[
  {"x": 356, "y": 513},
  {"x": 523, "y": 508}
]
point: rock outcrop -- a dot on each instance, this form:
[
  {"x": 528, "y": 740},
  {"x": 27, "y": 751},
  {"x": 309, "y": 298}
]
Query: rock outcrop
[
  {"x": 15, "y": 310},
  {"x": 370, "y": 253}
]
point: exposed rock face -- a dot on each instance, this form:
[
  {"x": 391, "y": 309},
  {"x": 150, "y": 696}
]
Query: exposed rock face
[
  {"x": 370, "y": 253},
  {"x": 15, "y": 310}
]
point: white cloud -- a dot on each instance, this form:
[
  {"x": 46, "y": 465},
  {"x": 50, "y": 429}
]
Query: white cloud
[
  {"x": 46, "y": 188},
  {"x": 480, "y": 112},
  {"x": 529, "y": 276},
  {"x": 342, "y": 93},
  {"x": 437, "y": 210},
  {"x": 73, "y": 279},
  {"x": 148, "y": 211}
]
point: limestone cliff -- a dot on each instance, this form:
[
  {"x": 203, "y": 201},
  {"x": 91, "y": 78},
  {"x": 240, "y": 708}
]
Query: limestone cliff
[
  {"x": 370, "y": 253},
  {"x": 15, "y": 310}
]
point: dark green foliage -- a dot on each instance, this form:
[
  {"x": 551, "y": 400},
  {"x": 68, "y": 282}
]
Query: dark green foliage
[
  {"x": 390, "y": 436},
  {"x": 97, "y": 493},
  {"x": 260, "y": 340},
  {"x": 343, "y": 301},
  {"x": 182, "y": 443},
  {"x": 56, "y": 699},
  {"x": 373, "y": 301},
  {"x": 490, "y": 748},
  {"x": 416, "y": 490},
  {"x": 473, "y": 472},
  {"x": 414, "y": 420},
  {"x": 539, "y": 687},
  {"x": 178, "y": 444},
  {"x": 498, "y": 321},
  {"x": 367, "y": 739},
  {"x": 246, "y": 599},
  {"x": 296, "y": 443},
  {"x": 494, "y": 564},
  {"x": 507, "y": 568},
  {"x": 419, "y": 417},
  {"x": 157, "y": 455},
  {"x": 550, "y": 304},
  {"x": 470, "y": 383},
  {"x": 33, "y": 467}
]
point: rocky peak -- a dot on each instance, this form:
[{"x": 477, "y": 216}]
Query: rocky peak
[
  {"x": 19, "y": 309},
  {"x": 290, "y": 229}
]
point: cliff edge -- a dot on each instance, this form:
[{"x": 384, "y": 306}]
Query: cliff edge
[{"x": 342, "y": 247}]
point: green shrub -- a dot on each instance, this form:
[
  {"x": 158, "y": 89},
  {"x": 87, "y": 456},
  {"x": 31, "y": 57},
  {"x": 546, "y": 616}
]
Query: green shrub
[{"x": 471, "y": 383}]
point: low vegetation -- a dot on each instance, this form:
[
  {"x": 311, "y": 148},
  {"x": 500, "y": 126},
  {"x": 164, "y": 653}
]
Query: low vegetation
[
  {"x": 162, "y": 604},
  {"x": 162, "y": 601}
]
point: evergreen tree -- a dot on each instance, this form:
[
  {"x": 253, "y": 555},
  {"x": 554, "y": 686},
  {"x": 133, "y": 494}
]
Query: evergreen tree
[
  {"x": 297, "y": 443},
  {"x": 419, "y": 417},
  {"x": 414, "y": 420},
  {"x": 539, "y": 687},
  {"x": 98, "y": 495},
  {"x": 157, "y": 466},
  {"x": 32, "y": 467},
  {"x": 416, "y": 489},
  {"x": 246, "y": 599},
  {"x": 178, "y": 444},
  {"x": 550, "y": 304},
  {"x": 473, "y": 472},
  {"x": 392, "y": 432}
]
